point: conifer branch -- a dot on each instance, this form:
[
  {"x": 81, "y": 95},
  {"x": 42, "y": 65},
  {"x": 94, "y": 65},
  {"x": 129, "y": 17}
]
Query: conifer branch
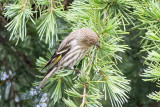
[
  {"x": 51, "y": 6},
  {"x": 84, "y": 95},
  {"x": 103, "y": 75},
  {"x": 104, "y": 17},
  {"x": 83, "y": 16},
  {"x": 24, "y": 5}
]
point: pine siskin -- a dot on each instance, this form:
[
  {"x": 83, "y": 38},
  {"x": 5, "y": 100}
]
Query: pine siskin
[{"x": 72, "y": 49}]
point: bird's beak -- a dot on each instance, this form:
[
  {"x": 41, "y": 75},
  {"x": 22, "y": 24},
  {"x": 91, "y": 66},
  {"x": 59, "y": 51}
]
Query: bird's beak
[{"x": 98, "y": 46}]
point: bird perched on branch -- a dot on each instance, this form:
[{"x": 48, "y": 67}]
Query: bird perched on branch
[{"x": 71, "y": 50}]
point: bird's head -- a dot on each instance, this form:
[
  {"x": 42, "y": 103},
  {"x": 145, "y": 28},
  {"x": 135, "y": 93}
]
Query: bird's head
[{"x": 87, "y": 37}]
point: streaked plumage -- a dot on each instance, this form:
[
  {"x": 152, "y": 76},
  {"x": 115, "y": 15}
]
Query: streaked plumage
[{"x": 72, "y": 49}]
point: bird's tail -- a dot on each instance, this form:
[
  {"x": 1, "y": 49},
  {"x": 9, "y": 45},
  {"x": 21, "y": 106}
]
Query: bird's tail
[{"x": 51, "y": 73}]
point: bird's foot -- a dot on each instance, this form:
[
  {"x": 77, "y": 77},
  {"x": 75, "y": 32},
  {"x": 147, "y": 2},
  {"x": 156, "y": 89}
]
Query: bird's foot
[{"x": 77, "y": 70}]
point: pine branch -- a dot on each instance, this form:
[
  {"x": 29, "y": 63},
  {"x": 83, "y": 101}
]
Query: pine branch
[
  {"x": 47, "y": 28},
  {"x": 148, "y": 12},
  {"x": 84, "y": 95},
  {"x": 24, "y": 5},
  {"x": 103, "y": 75},
  {"x": 91, "y": 15},
  {"x": 154, "y": 96},
  {"x": 51, "y": 3},
  {"x": 20, "y": 14}
]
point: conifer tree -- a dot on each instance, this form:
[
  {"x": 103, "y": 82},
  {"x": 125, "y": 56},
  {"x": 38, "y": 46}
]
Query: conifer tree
[
  {"x": 150, "y": 17},
  {"x": 37, "y": 27},
  {"x": 99, "y": 66}
]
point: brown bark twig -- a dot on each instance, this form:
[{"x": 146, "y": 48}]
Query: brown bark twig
[
  {"x": 51, "y": 6},
  {"x": 24, "y": 5},
  {"x": 84, "y": 95},
  {"x": 103, "y": 75}
]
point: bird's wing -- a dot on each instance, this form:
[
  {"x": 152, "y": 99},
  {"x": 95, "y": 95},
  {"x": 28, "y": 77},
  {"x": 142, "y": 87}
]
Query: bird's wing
[
  {"x": 66, "y": 41},
  {"x": 62, "y": 50}
]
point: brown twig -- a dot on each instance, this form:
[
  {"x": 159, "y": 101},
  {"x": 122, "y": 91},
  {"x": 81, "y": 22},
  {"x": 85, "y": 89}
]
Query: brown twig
[
  {"x": 103, "y": 75},
  {"x": 84, "y": 95},
  {"x": 24, "y": 5},
  {"x": 77, "y": 70},
  {"x": 51, "y": 6}
]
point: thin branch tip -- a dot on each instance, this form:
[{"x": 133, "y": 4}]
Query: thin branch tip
[
  {"x": 84, "y": 95},
  {"x": 24, "y": 5},
  {"x": 51, "y": 6},
  {"x": 103, "y": 75}
]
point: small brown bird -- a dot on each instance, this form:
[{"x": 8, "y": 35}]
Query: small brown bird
[{"x": 73, "y": 48}]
